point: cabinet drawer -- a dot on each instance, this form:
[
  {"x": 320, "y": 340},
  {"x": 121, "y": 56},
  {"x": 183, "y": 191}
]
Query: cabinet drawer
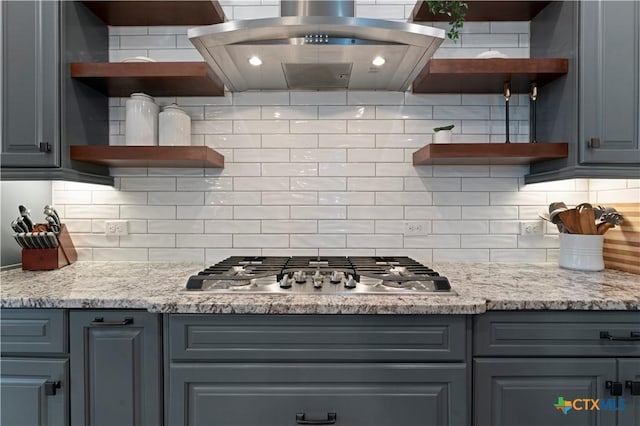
[
  {"x": 33, "y": 331},
  {"x": 557, "y": 333},
  {"x": 290, "y": 394},
  {"x": 317, "y": 338}
]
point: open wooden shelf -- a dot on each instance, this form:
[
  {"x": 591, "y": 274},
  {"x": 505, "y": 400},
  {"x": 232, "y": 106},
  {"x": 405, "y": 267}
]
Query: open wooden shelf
[
  {"x": 148, "y": 156},
  {"x": 480, "y": 10},
  {"x": 162, "y": 12},
  {"x": 119, "y": 79},
  {"x": 487, "y": 75},
  {"x": 488, "y": 153}
]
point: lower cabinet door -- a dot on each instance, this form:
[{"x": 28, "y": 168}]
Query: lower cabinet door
[
  {"x": 629, "y": 371},
  {"x": 35, "y": 392},
  {"x": 116, "y": 368},
  {"x": 318, "y": 394},
  {"x": 542, "y": 392}
]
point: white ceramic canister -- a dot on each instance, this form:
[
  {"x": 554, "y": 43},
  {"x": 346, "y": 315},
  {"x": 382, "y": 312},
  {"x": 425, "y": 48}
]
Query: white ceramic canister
[
  {"x": 141, "y": 122},
  {"x": 581, "y": 252},
  {"x": 175, "y": 126},
  {"x": 443, "y": 136}
]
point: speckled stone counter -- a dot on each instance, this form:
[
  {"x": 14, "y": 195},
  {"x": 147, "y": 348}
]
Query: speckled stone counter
[{"x": 480, "y": 287}]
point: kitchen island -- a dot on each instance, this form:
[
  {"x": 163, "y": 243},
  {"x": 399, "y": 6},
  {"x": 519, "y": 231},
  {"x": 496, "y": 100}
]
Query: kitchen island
[
  {"x": 480, "y": 287},
  {"x": 501, "y": 350}
]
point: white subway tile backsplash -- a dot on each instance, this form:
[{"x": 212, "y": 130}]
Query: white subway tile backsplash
[
  {"x": 350, "y": 198},
  {"x": 318, "y": 126},
  {"x": 326, "y": 172},
  {"x": 375, "y": 126},
  {"x": 359, "y": 155},
  {"x": 375, "y": 98},
  {"x": 260, "y": 212},
  {"x": 375, "y": 184},
  {"x": 398, "y": 198},
  {"x": 289, "y": 227},
  {"x": 346, "y": 141},
  {"x": 274, "y": 198},
  {"x": 226, "y": 112},
  {"x": 261, "y": 183},
  {"x": 347, "y": 169},
  {"x": 318, "y": 212},
  {"x": 318, "y": 98},
  {"x": 347, "y": 112},
  {"x": 182, "y": 198},
  {"x": 318, "y": 183},
  {"x": 290, "y": 169},
  {"x": 261, "y": 240},
  {"x": 164, "y": 226},
  {"x": 289, "y": 141},
  {"x": 289, "y": 113},
  {"x": 176, "y": 255},
  {"x": 203, "y": 241},
  {"x": 318, "y": 241},
  {"x": 231, "y": 226},
  {"x": 346, "y": 226},
  {"x": 375, "y": 212},
  {"x": 204, "y": 212}
]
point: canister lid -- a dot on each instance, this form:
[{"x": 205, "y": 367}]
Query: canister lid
[
  {"x": 174, "y": 107},
  {"x": 141, "y": 95}
]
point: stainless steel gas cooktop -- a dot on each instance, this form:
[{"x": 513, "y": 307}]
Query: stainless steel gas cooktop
[{"x": 319, "y": 275}]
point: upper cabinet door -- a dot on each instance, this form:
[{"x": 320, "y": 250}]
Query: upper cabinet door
[
  {"x": 30, "y": 83},
  {"x": 609, "y": 80}
]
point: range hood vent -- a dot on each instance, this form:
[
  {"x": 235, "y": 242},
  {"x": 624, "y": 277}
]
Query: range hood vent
[{"x": 316, "y": 45}]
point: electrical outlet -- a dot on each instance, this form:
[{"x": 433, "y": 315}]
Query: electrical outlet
[
  {"x": 116, "y": 227},
  {"x": 531, "y": 227},
  {"x": 416, "y": 228}
]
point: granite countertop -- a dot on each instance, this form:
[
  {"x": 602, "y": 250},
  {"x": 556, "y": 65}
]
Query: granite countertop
[{"x": 480, "y": 287}]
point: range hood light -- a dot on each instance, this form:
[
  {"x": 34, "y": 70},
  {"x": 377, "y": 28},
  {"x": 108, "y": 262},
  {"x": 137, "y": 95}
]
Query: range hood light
[
  {"x": 255, "y": 61},
  {"x": 378, "y": 61}
]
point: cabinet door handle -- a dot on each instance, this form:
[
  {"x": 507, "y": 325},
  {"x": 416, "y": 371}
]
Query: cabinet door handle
[
  {"x": 615, "y": 388},
  {"x": 44, "y": 147},
  {"x": 633, "y": 386},
  {"x": 100, "y": 321},
  {"x": 50, "y": 388},
  {"x": 634, "y": 336},
  {"x": 593, "y": 143},
  {"x": 330, "y": 420}
]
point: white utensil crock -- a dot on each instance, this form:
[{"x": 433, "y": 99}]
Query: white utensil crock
[
  {"x": 141, "y": 122},
  {"x": 442, "y": 136},
  {"x": 175, "y": 126},
  {"x": 581, "y": 252}
]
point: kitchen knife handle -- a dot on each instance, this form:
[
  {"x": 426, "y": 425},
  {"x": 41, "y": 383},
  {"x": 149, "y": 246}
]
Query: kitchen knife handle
[
  {"x": 330, "y": 420},
  {"x": 634, "y": 336},
  {"x": 101, "y": 322}
]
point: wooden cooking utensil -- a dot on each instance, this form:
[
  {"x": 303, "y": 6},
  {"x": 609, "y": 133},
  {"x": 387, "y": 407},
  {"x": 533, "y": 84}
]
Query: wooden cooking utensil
[
  {"x": 571, "y": 220},
  {"x": 587, "y": 219},
  {"x": 604, "y": 227}
]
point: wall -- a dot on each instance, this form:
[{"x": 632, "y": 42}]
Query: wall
[{"x": 322, "y": 172}]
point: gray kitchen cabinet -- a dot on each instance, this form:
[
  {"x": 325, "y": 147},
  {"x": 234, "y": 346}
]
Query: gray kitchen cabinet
[
  {"x": 116, "y": 368},
  {"x": 525, "y": 361},
  {"x": 42, "y": 110},
  {"x": 352, "y": 370},
  {"x": 596, "y": 106},
  {"x": 34, "y": 368}
]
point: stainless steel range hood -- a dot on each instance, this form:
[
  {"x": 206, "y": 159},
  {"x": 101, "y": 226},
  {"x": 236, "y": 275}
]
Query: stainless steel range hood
[{"x": 316, "y": 45}]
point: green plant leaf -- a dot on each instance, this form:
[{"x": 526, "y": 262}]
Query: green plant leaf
[{"x": 455, "y": 10}]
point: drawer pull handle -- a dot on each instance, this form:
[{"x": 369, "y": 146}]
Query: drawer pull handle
[
  {"x": 50, "y": 388},
  {"x": 330, "y": 420},
  {"x": 633, "y": 337},
  {"x": 633, "y": 386},
  {"x": 100, "y": 321}
]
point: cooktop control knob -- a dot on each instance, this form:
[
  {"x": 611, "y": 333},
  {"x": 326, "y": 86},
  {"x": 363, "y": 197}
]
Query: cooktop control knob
[
  {"x": 317, "y": 279},
  {"x": 285, "y": 282},
  {"x": 300, "y": 277},
  {"x": 336, "y": 277},
  {"x": 350, "y": 282}
]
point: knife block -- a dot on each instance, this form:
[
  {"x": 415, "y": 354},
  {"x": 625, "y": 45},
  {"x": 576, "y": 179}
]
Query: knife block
[{"x": 51, "y": 258}]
